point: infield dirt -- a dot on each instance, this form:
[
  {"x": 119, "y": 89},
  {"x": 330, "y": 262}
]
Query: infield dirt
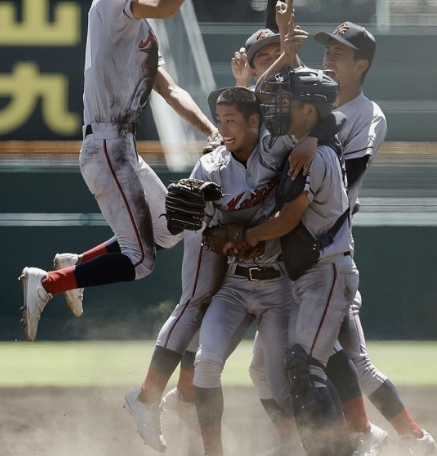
[{"x": 92, "y": 422}]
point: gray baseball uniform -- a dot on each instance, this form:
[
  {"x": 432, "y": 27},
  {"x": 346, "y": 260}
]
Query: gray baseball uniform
[
  {"x": 245, "y": 190},
  {"x": 324, "y": 293},
  {"x": 120, "y": 67},
  {"x": 362, "y": 135},
  {"x": 240, "y": 301}
]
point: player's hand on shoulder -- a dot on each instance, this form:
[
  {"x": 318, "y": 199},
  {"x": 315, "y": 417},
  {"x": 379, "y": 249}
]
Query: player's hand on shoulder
[{"x": 302, "y": 156}]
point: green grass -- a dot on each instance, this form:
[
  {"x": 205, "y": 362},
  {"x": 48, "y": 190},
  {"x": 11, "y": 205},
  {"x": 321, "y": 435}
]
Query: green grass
[{"x": 119, "y": 363}]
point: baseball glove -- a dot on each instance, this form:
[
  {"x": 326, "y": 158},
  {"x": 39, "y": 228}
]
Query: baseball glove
[
  {"x": 216, "y": 237},
  {"x": 186, "y": 201},
  {"x": 212, "y": 143}
]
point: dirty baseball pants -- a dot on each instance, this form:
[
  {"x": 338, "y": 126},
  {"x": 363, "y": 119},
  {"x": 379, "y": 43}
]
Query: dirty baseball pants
[{"x": 131, "y": 198}]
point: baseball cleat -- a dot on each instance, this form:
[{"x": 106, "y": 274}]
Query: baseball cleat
[
  {"x": 148, "y": 420},
  {"x": 35, "y": 299},
  {"x": 73, "y": 298},
  {"x": 172, "y": 402},
  {"x": 423, "y": 447},
  {"x": 371, "y": 443}
]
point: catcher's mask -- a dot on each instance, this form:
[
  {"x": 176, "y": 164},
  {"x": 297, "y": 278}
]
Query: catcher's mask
[{"x": 303, "y": 84}]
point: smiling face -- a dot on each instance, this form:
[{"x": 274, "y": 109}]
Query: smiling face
[
  {"x": 344, "y": 62},
  {"x": 264, "y": 58},
  {"x": 240, "y": 134}
]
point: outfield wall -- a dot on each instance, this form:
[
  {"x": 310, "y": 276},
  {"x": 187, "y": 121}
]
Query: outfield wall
[{"x": 46, "y": 208}]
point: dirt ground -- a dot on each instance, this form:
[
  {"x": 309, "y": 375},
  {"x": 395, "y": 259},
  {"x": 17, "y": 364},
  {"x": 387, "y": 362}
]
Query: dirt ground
[{"x": 92, "y": 422}]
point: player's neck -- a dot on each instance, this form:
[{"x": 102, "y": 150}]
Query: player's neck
[{"x": 347, "y": 94}]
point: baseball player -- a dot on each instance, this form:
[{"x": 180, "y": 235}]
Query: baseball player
[
  {"x": 323, "y": 291},
  {"x": 253, "y": 290},
  {"x": 203, "y": 270},
  {"x": 119, "y": 74},
  {"x": 202, "y": 273},
  {"x": 349, "y": 52},
  {"x": 352, "y": 47}
]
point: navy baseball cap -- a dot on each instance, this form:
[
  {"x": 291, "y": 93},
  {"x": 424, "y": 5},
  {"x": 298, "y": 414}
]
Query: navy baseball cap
[
  {"x": 258, "y": 40},
  {"x": 351, "y": 35}
]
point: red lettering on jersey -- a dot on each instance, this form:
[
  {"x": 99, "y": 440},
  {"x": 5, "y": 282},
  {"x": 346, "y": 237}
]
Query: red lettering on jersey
[
  {"x": 144, "y": 45},
  {"x": 255, "y": 199}
]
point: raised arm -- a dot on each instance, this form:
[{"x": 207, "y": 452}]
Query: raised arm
[
  {"x": 292, "y": 39},
  {"x": 155, "y": 9},
  {"x": 182, "y": 102}
]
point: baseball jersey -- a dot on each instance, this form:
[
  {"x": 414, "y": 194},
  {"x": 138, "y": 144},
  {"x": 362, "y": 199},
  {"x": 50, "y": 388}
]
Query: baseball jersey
[
  {"x": 249, "y": 190},
  {"x": 361, "y": 135},
  {"x": 121, "y": 61},
  {"x": 328, "y": 201}
]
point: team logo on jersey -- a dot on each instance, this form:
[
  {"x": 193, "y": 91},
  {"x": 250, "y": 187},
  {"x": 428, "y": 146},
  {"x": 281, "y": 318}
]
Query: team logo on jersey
[
  {"x": 341, "y": 29},
  {"x": 145, "y": 45},
  {"x": 255, "y": 199}
]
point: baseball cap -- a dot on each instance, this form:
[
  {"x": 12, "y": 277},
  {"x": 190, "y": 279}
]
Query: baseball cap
[
  {"x": 351, "y": 35},
  {"x": 258, "y": 40}
]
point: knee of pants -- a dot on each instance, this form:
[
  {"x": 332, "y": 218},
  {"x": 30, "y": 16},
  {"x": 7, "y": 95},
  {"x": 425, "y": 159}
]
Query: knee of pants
[
  {"x": 166, "y": 240},
  {"x": 144, "y": 268},
  {"x": 259, "y": 379},
  {"x": 371, "y": 378},
  {"x": 207, "y": 374}
]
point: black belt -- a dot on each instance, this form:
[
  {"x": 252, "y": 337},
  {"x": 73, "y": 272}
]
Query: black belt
[
  {"x": 257, "y": 273},
  {"x": 131, "y": 128},
  {"x": 347, "y": 254}
]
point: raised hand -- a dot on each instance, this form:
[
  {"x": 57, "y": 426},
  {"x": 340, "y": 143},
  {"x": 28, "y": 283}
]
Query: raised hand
[{"x": 241, "y": 68}]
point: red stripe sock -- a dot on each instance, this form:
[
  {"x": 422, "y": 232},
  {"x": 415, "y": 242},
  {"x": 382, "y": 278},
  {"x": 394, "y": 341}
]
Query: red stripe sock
[
  {"x": 404, "y": 423},
  {"x": 94, "y": 252},
  {"x": 356, "y": 416},
  {"x": 59, "y": 281}
]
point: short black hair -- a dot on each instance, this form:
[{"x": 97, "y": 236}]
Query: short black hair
[{"x": 243, "y": 99}]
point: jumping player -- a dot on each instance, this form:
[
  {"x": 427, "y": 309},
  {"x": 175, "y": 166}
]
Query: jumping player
[{"x": 120, "y": 72}]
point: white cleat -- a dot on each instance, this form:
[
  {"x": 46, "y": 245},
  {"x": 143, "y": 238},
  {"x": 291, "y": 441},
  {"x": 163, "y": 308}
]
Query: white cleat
[
  {"x": 422, "y": 447},
  {"x": 371, "y": 443},
  {"x": 172, "y": 402},
  {"x": 148, "y": 420},
  {"x": 74, "y": 297},
  {"x": 35, "y": 299}
]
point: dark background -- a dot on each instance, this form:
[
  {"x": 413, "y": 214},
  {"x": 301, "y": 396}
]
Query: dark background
[{"x": 397, "y": 263}]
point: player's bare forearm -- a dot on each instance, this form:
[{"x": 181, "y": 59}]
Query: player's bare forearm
[
  {"x": 278, "y": 65},
  {"x": 302, "y": 155},
  {"x": 279, "y": 224},
  {"x": 155, "y": 9},
  {"x": 182, "y": 102}
]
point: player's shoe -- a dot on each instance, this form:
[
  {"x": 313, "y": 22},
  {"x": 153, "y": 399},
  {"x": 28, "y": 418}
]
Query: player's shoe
[
  {"x": 371, "y": 443},
  {"x": 172, "y": 402},
  {"x": 422, "y": 447},
  {"x": 35, "y": 299},
  {"x": 148, "y": 421},
  {"x": 74, "y": 297}
]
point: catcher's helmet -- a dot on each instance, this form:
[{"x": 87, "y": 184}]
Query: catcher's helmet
[{"x": 303, "y": 84}]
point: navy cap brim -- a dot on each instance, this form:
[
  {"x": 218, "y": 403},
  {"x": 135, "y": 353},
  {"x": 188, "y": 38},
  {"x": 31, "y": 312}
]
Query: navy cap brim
[
  {"x": 323, "y": 38},
  {"x": 260, "y": 44}
]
